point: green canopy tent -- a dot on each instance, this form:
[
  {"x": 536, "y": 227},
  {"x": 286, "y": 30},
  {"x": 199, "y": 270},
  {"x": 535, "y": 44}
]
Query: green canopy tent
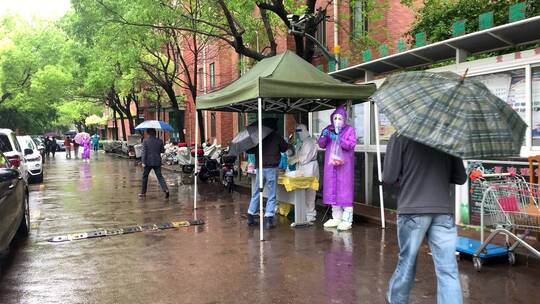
[{"x": 285, "y": 84}]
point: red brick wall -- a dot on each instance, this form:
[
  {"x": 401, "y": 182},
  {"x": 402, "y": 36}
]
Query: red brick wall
[{"x": 396, "y": 21}]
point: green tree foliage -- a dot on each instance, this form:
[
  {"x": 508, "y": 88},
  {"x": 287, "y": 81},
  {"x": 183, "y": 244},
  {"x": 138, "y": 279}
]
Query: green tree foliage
[
  {"x": 35, "y": 74},
  {"x": 436, "y": 17}
]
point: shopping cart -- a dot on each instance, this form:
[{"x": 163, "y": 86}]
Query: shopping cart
[{"x": 510, "y": 207}]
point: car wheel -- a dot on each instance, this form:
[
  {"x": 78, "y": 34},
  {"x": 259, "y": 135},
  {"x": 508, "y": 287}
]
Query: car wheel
[{"x": 24, "y": 226}]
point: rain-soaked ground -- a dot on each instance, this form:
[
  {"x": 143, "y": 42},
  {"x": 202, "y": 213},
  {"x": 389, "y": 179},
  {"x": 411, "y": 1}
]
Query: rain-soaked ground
[{"x": 219, "y": 262}]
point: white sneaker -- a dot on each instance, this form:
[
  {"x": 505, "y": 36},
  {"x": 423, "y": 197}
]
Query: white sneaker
[
  {"x": 332, "y": 223},
  {"x": 344, "y": 226}
]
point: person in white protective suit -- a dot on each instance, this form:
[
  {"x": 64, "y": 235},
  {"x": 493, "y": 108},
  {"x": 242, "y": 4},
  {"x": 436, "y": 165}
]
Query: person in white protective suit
[{"x": 306, "y": 165}]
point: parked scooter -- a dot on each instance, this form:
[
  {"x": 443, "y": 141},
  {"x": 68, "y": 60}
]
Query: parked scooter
[
  {"x": 228, "y": 170},
  {"x": 170, "y": 157}
]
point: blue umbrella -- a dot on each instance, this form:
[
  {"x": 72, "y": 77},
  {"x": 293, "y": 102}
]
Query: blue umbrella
[{"x": 154, "y": 124}]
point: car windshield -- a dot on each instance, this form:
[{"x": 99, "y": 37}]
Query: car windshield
[
  {"x": 28, "y": 144},
  {"x": 5, "y": 145}
]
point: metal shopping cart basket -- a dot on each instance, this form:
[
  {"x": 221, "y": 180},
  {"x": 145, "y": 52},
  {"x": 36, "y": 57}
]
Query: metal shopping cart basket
[{"x": 510, "y": 207}]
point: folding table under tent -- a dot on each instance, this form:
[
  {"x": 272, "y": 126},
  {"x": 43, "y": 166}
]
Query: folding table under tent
[{"x": 285, "y": 84}]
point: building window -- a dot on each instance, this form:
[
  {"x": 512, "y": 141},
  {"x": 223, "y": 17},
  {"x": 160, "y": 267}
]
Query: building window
[
  {"x": 200, "y": 79},
  {"x": 359, "y": 19},
  {"x": 213, "y": 124},
  {"x": 321, "y": 119},
  {"x": 320, "y": 35},
  {"x": 358, "y": 121},
  {"x": 212, "y": 75}
]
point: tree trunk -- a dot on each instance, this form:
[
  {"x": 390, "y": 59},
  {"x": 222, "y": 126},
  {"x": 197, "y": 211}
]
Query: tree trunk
[
  {"x": 115, "y": 125},
  {"x": 201, "y": 126},
  {"x": 130, "y": 122},
  {"x": 179, "y": 114},
  {"x": 179, "y": 118},
  {"x": 122, "y": 125}
]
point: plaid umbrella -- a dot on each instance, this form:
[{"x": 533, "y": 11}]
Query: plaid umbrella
[{"x": 451, "y": 113}]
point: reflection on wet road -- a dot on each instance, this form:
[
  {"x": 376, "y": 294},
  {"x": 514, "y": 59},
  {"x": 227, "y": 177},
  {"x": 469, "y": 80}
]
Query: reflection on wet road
[{"x": 219, "y": 262}]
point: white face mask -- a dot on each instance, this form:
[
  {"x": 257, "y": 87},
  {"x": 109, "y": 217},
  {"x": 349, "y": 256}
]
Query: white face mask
[{"x": 338, "y": 121}]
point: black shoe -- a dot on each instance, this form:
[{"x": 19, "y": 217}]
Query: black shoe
[
  {"x": 269, "y": 222},
  {"x": 167, "y": 194},
  {"x": 250, "y": 219}
]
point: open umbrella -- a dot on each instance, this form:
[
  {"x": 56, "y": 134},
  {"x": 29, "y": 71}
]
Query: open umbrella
[
  {"x": 154, "y": 124},
  {"x": 451, "y": 113},
  {"x": 79, "y": 137},
  {"x": 50, "y": 134},
  {"x": 247, "y": 139}
]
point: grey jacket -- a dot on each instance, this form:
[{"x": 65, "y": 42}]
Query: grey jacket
[
  {"x": 151, "y": 152},
  {"x": 424, "y": 176}
]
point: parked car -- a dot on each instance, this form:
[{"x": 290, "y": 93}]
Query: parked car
[
  {"x": 71, "y": 133},
  {"x": 40, "y": 145},
  {"x": 14, "y": 204},
  {"x": 60, "y": 145},
  {"x": 34, "y": 161},
  {"x": 13, "y": 152}
]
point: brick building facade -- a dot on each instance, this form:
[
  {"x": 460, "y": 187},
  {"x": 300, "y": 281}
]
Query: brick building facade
[{"x": 218, "y": 64}]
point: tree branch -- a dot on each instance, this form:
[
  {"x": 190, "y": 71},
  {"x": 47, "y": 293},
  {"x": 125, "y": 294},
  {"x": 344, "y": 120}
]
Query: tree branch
[{"x": 269, "y": 32}]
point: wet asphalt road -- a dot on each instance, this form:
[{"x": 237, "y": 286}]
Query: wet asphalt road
[{"x": 220, "y": 262}]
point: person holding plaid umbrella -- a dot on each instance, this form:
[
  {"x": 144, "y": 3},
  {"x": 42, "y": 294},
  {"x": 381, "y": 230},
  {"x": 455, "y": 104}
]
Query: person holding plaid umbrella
[{"x": 440, "y": 118}]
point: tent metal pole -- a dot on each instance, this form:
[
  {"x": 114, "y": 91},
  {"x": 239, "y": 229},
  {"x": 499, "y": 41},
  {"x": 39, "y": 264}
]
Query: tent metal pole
[
  {"x": 379, "y": 171},
  {"x": 260, "y": 173},
  {"x": 196, "y": 175}
]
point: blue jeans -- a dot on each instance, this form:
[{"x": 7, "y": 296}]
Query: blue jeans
[
  {"x": 441, "y": 233},
  {"x": 270, "y": 182}
]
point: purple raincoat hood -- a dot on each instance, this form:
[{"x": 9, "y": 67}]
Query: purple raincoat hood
[{"x": 339, "y": 110}]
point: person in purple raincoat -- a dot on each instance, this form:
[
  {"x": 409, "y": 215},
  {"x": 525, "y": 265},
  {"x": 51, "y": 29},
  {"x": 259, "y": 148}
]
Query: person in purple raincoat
[
  {"x": 339, "y": 140},
  {"x": 86, "y": 149}
]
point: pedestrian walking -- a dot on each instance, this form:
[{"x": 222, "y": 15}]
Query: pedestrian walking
[
  {"x": 67, "y": 145},
  {"x": 425, "y": 209},
  {"x": 47, "y": 144},
  {"x": 86, "y": 150},
  {"x": 95, "y": 142},
  {"x": 273, "y": 146},
  {"x": 54, "y": 145},
  {"x": 75, "y": 148},
  {"x": 151, "y": 160}
]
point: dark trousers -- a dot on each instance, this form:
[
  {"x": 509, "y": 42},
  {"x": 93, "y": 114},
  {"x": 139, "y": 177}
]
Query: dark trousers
[{"x": 157, "y": 171}]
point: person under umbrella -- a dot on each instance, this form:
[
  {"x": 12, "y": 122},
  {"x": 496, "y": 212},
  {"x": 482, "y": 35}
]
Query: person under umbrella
[
  {"x": 440, "y": 118},
  {"x": 53, "y": 146},
  {"x": 273, "y": 146},
  {"x": 86, "y": 149},
  {"x": 151, "y": 160},
  {"x": 425, "y": 209}
]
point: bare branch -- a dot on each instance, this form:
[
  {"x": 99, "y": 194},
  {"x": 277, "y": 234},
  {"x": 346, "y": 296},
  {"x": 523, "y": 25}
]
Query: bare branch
[{"x": 269, "y": 32}]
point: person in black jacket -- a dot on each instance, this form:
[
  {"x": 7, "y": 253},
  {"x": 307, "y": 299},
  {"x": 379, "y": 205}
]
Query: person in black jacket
[
  {"x": 273, "y": 146},
  {"x": 151, "y": 160},
  {"x": 425, "y": 210}
]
